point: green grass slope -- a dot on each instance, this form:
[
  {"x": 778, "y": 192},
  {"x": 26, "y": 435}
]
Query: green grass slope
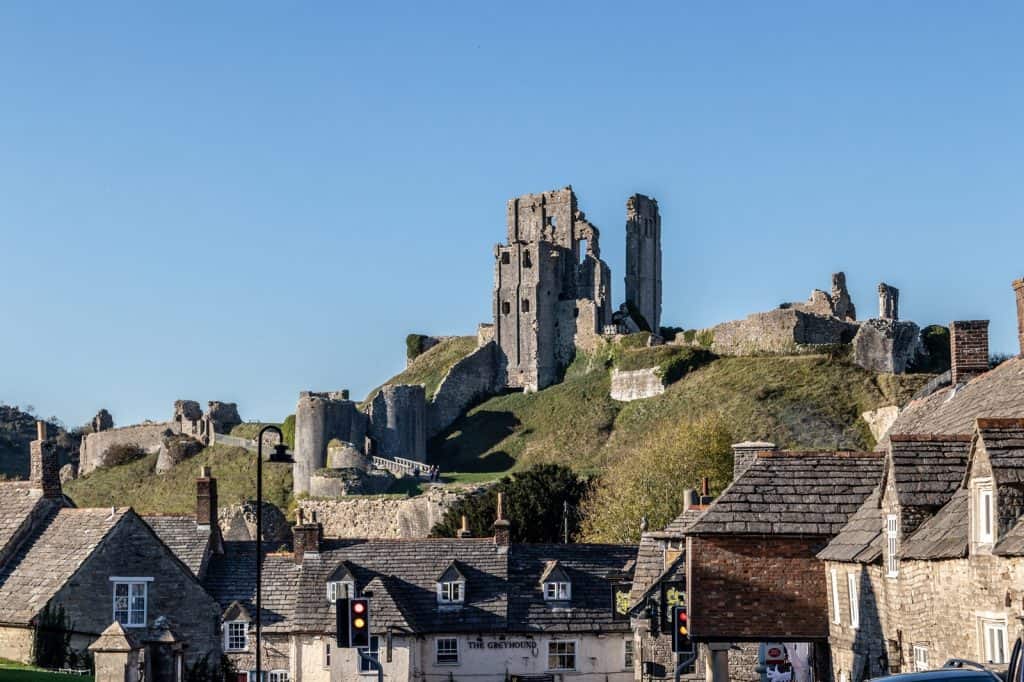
[
  {"x": 430, "y": 367},
  {"x": 136, "y": 485},
  {"x": 805, "y": 401}
]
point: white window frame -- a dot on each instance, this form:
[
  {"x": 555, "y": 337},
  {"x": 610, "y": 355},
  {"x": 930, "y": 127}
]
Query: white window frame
[
  {"x": 340, "y": 589},
  {"x": 851, "y": 589},
  {"x": 627, "y": 653},
  {"x": 892, "y": 531},
  {"x": 575, "y": 654},
  {"x": 994, "y": 640},
  {"x": 279, "y": 676},
  {"x": 985, "y": 501},
  {"x": 920, "y": 657},
  {"x": 557, "y": 591},
  {"x": 836, "y": 614},
  {"x": 374, "y": 651},
  {"x": 451, "y": 592},
  {"x": 133, "y": 587},
  {"x": 227, "y": 635},
  {"x": 437, "y": 651}
]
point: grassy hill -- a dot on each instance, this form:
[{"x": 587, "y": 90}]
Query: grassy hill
[
  {"x": 174, "y": 492},
  {"x": 430, "y": 367},
  {"x": 807, "y": 401}
]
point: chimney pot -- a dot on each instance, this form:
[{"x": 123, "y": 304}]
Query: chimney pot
[
  {"x": 705, "y": 487},
  {"x": 40, "y": 429},
  {"x": 206, "y": 498},
  {"x": 968, "y": 349},
  {"x": 464, "y": 531}
]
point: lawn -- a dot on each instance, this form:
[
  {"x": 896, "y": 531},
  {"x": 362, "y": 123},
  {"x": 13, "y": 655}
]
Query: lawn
[{"x": 18, "y": 672}]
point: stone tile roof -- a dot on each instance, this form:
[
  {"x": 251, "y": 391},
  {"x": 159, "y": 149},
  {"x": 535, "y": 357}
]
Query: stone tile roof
[
  {"x": 953, "y": 409},
  {"x": 592, "y": 569},
  {"x": 1011, "y": 544},
  {"x": 943, "y": 536},
  {"x": 402, "y": 576},
  {"x": 860, "y": 540},
  {"x": 650, "y": 561},
  {"x": 49, "y": 557},
  {"x": 17, "y": 501},
  {"x": 676, "y": 530},
  {"x": 793, "y": 493},
  {"x": 1004, "y": 442},
  {"x": 182, "y": 536},
  {"x": 927, "y": 470}
]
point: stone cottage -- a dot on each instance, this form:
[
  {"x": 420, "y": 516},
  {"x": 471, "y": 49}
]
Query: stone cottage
[{"x": 440, "y": 608}]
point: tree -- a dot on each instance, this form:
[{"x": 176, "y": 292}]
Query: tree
[
  {"x": 534, "y": 502},
  {"x": 651, "y": 483}
]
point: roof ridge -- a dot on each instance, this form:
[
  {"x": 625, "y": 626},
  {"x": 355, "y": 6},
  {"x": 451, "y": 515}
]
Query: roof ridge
[
  {"x": 999, "y": 422},
  {"x": 930, "y": 438},
  {"x": 781, "y": 454}
]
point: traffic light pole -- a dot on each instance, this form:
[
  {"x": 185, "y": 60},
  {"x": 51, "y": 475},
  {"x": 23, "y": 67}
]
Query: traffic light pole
[
  {"x": 380, "y": 669},
  {"x": 683, "y": 664}
]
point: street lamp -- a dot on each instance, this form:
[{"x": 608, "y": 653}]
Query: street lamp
[{"x": 280, "y": 455}]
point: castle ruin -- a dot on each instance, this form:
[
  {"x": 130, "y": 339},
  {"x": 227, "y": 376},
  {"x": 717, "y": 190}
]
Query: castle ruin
[{"x": 643, "y": 260}]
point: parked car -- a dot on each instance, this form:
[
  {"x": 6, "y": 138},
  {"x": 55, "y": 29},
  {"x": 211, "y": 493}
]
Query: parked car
[{"x": 962, "y": 670}]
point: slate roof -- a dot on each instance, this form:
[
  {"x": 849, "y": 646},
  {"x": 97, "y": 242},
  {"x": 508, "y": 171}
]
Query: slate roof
[
  {"x": 17, "y": 500},
  {"x": 650, "y": 561},
  {"x": 793, "y": 493},
  {"x": 1012, "y": 544},
  {"x": 676, "y": 530},
  {"x": 402, "y": 576},
  {"x": 943, "y": 536},
  {"x": 182, "y": 536},
  {"x": 927, "y": 470},
  {"x": 860, "y": 540},
  {"x": 49, "y": 557},
  {"x": 1004, "y": 442},
  {"x": 953, "y": 409}
]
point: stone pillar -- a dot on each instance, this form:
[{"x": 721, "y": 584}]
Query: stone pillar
[
  {"x": 643, "y": 259},
  {"x": 716, "y": 663},
  {"x": 116, "y": 656},
  {"x": 842, "y": 305},
  {"x": 744, "y": 454},
  {"x": 44, "y": 470},
  {"x": 968, "y": 349},
  {"x": 888, "y": 302},
  {"x": 1018, "y": 289},
  {"x": 206, "y": 498}
]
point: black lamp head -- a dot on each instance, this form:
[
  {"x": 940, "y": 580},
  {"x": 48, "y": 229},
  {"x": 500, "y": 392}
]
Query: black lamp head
[{"x": 280, "y": 454}]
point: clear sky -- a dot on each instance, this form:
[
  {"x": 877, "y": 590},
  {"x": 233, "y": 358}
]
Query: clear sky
[{"x": 239, "y": 201}]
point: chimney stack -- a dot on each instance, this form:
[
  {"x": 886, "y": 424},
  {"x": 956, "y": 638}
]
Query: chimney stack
[
  {"x": 464, "y": 532},
  {"x": 206, "y": 499},
  {"x": 744, "y": 454},
  {"x": 306, "y": 537},
  {"x": 44, "y": 469},
  {"x": 1018, "y": 289},
  {"x": 968, "y": 349},
  {"x": 502, "y": 528}
]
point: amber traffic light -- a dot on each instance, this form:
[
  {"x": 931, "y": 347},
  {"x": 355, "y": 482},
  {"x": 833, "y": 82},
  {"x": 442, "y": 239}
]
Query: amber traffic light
[{"x": 353, "y": 622}]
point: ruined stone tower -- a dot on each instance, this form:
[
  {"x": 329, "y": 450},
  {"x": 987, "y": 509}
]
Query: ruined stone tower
[
  {"x": 320, "y": 417},
  {"x": 398, "y": 422},
  {"x": 550, "y": 285},
  {"x": 643, "y": 259}
]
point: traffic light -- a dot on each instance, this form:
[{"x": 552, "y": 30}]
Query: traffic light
[
  {"x": 681, "y": 631},
  {"x": 353, "y": 623},
  {"x": 359, "y": 622}
]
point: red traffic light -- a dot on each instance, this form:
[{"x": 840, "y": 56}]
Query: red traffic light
[
  {"x": 682, "y": 616},
  {"x": 358, "y": 607}
]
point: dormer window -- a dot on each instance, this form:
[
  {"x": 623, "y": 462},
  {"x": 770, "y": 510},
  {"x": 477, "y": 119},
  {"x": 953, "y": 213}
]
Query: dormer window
[
  {"x": 340, "y": 589},
  {"x": 984, "y": 512},
  {"x": 341, "y": 584},
  {"x": 451, "y": 586},
  {"x": 555, "y": 583}
]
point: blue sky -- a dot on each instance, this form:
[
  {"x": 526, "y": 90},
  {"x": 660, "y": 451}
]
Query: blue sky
[{"x": 239, "y": 201}]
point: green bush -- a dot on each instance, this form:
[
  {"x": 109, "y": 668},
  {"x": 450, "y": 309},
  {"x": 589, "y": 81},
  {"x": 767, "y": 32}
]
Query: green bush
[
  {"x": 935, "y": 338},
  {"x": 288, "y": 430},
  {"x": 122, "y": 453},
  {"x": 414, "y": 346}
]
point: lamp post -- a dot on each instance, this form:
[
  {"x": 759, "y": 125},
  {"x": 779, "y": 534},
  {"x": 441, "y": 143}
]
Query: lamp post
[{"x": 280, "y": 454}]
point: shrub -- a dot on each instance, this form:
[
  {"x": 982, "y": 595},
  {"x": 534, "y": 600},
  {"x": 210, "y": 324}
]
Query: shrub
[
  {"x": 122, "y": 453},
  {"x": 288, "y": 430},
  {"x": 52, "y": 638},
  {"x": 935, "y": 338},
  {"x": 414, "y": 345}
]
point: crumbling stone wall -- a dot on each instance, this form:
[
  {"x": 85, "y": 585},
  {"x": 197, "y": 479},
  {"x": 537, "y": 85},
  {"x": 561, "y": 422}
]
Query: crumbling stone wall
[
  {"x": 888, "y": 302},
  {"x": 385, "y": 517},
  {"x": 887, "y": 345},
  {"x": 552, "y": 259},
  {"x": 780, "y": 331},
  {"x": 643, "y": 259},
  {"x": 471, "y": 380},
  {"x": 95, "y": 446},
  {"x": 398, "y": 422},
  {"x": 103, "y": 421},
  {"x": 636, "y": 384},
  {"x": 319, "y": 418}
]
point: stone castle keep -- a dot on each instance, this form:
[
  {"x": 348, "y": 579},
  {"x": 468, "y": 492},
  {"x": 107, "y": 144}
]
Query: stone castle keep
[{"x": 552, "y": 290}]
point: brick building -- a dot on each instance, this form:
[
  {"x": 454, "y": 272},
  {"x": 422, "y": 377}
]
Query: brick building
[
  {"x": 751, "y": 556},
  {"x": 440, "y": 608}
]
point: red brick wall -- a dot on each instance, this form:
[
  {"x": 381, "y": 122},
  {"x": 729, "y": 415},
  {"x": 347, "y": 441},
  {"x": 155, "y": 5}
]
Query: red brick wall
[{"x": 762, "y": 588}]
